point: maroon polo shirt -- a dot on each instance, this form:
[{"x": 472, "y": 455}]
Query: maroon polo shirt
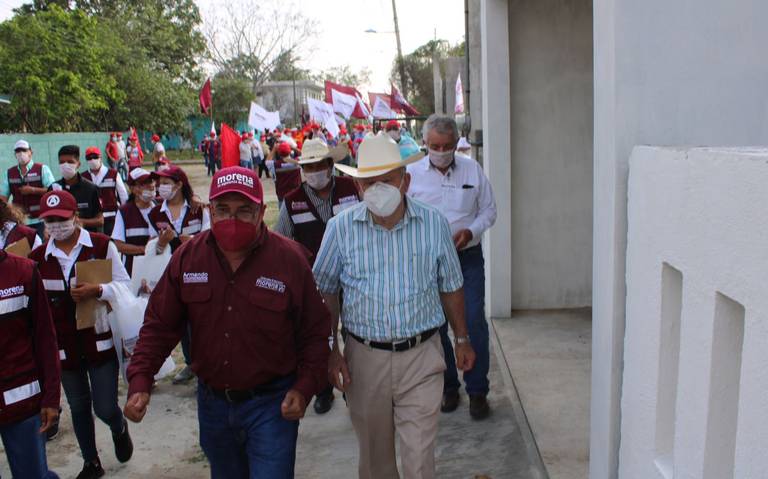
[{"x": 265, "y": 321}]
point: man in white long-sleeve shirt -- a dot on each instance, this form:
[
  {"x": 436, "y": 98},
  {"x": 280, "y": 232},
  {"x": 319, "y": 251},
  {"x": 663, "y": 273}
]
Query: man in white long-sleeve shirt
[{"x": 457, "y": 186}]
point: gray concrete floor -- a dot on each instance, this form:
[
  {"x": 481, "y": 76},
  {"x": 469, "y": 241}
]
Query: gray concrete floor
[{"x": 548, "y": 354}]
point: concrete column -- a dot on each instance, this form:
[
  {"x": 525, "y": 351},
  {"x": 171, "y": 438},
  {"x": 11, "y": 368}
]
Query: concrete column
[{"x": 494, "y": 19}]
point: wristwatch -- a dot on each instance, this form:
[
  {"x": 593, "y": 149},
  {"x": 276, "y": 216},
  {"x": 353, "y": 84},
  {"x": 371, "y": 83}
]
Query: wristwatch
[{"x": 462, "y": 339}]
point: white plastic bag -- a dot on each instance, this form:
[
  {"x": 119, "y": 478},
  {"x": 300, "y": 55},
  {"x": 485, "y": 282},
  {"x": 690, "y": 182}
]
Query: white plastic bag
[{"x": 148, "y": 269}]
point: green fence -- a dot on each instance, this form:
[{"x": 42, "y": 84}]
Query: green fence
[{"x": 45, "y": 147}]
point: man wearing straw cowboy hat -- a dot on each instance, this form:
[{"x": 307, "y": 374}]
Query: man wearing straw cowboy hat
[
  {"x": 395, "y": 262},
  {"x": 307, "y": 209}
]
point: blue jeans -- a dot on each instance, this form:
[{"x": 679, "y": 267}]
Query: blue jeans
[
  {"x": 101, "y": 392},
  {"x": 25, "y": 449},
  {"x": 250, "y": 439},
  {"x": 246, "y": 164},
  {"x": 476, "y": 379}
]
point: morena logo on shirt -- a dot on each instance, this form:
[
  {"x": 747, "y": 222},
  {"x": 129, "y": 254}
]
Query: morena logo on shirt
[
  {"x": 299, "y": 205},
  {"x": 13, "y": 291},
  {"x": 238, "y": 178},
  {"x": 271, "y": 284},
  {"x": 195, "y": 278}
]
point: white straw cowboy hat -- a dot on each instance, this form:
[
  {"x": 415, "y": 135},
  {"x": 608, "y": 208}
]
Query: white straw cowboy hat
[
  {"x": 313, "y": 151},
  {"x": 376, "y": 156}
]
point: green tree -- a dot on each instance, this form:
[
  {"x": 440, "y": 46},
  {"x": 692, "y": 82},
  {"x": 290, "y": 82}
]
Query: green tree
[
  {"x": 231, "y": 99},
  {"x": 345, "y": 76}
]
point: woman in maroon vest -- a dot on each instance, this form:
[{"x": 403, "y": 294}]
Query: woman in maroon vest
[
  {"x": 131, "y": 232},
  {"x": 174, "y": 222},
  {"x": 29, "y": 371},
  {"x": 88, "y": 359},
  {"x": 12, "y": 228}
]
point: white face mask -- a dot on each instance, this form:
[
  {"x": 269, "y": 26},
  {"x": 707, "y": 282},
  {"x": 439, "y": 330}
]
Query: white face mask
[
  {"x": 147, "y": 195},
  {"x": 166, "y": 191},
  {"x": 114, "y": 138},
  {"x": 394, "y": 134},
  {"x": 441, "y": 159},
  {"x": 23, "y": 157},
  {"x": 318, "y": 179},
  {"x": 94, "y": 165},
  {"x": 382, "y": 199},
  {"x": 68, "y": 170},
  {"x": 61, "y": 230}
]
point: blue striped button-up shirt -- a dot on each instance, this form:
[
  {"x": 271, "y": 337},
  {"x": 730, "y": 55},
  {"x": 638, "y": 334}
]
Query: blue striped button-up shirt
[{"x": 392, "y": 279}]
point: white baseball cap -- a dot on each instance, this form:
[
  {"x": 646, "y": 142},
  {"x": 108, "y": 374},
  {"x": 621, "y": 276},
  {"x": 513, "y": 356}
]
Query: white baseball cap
[{"x": 21, "y": 145}]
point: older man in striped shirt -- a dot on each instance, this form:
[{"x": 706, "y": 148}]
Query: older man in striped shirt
[{"x": 400, "y": 275}]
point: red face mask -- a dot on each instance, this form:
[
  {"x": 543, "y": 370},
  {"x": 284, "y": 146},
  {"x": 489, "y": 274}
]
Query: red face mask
[{"x": 235, "y": 235}]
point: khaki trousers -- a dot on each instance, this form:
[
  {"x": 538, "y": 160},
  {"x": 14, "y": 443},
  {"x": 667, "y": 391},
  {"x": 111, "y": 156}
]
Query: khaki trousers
[{"x": 395, "y": 392}]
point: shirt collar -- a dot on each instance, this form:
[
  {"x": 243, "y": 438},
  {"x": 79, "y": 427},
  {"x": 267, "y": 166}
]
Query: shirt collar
[
  {"x": 362, "y": 214},
  {"x": 83, "y": 240},
  {"x": 29, "y": 165},
  {"x": 166, "y": 209}
]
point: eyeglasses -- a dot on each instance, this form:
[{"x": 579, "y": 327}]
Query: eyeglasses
[{"x": 244, "y": 213}]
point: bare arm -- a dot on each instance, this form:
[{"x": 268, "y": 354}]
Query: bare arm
[
  {"x": 130, "y": 249},
  {"x": 453, "y": 306},
  {"x": 95, "y": 222}
]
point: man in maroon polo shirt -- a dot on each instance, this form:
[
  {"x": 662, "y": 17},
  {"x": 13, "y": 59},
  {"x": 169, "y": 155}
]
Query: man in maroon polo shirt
[{"x": 259, "y": 334}]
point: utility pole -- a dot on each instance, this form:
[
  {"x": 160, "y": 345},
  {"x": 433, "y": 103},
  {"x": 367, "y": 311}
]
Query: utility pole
[{"x": 401, "y": 64}]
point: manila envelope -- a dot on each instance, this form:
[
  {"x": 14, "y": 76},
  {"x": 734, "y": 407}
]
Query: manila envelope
[
  {"x": 97, "y": 271},
  {"x": 19, "y": 248}
]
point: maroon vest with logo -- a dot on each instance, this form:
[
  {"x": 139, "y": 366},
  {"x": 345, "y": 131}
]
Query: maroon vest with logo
[
  {"x": 74, "y": 344},
  {"x": 136, "y": 230},
  {"x": 20, "y": 386},
  {"x": 308, "y": 226},
  {"x": 30, "y": 204},
  {"x": 107, "y": 191},
  {"x": 20, "y": 232},
  {"x": 286, "y": 179},
  {"x": 191, "y": 224}
]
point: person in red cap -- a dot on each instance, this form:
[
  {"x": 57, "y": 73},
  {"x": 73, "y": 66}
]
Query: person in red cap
[
  {"x": 173, "y": 222},
  {"x": 408, "y": 146},
  {"x": 30, "y": 373},
  {"x": 113, "y": 154},
  {"x": 212, "y": 154},
  {"x": 86, "y": 193},
  {"x": 131, "y": 232},
  {"x": 286, "y": 170},
  {"x": 259, "y": 334},
  {"x": 134, "y": 153},
  {"x": 112, "y": 191},
  {"x": 13, "y": 229},
  {"x": 88, "y": 358}
]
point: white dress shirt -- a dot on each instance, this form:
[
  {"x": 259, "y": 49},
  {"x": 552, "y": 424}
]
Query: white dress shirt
[
  {"x": 6, "y": 230},
  {"x": 463, "y": 194},
  {"x": 67, "y": 261},
  {"x": 245, "y": 152},
  {"x": 122, "y": 191},
  {"x": 177, "y": 222}
]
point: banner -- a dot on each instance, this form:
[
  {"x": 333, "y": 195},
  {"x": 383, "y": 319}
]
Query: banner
[
  {"x": 206, "y": 99},
  {"x": 399, "y": 101},
  {"x": 381, "y": 109},
  {"x": 459, "y": 108},
  {"x": 230, "y": 147},
  {"x": 323, "y": 113},
  {"x": 346, "y": 100},
  {"x": 261, "y": 119}
]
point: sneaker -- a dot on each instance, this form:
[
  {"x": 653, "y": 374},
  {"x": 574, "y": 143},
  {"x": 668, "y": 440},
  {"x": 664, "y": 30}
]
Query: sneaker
[
  {"x": 53, "y": 431},
  {"x": 323, "y": 403},
  {"x": 183, "y": 376},
  {"x": 91, "y": 470},
  {"x": 123, "y": 444},
  {"x": 478, "y": 407},
  {"x": 450, "y": 401}
]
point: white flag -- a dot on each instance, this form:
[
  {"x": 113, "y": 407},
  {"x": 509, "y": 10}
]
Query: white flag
[
  {"x": 322, "y": 112},
  {"x": 262, "y": 119},
  {"x": 213, "y": 128},
  {"x": 381, "y": 109},
  {"x": 343, "y": 104},
  {"x": 459, "y": 96}
]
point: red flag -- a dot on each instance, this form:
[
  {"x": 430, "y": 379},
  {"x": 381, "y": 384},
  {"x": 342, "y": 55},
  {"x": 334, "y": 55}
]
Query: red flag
[
  {"x": 386, "y": 98},
  {"x": 399, "y": 102},
  {"x": 351, "y": 105},
  {"x": 230, "y": 147},
  {"x": 206, "y": 100}
]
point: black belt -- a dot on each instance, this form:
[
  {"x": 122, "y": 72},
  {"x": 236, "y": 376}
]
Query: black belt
[
  {"x": 398, "y": 346},
  {"x": 240, "y": 395}
]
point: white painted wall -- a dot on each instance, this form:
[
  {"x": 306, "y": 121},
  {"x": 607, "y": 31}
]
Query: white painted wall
[
  {"x": 702, "y": 212},
  {"x": 688, "y": 72}
]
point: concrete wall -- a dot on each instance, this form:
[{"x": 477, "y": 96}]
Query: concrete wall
[
  {"x": 694, "y": 396},
  {"x": 45, "y": 147},
  {"x": 551, "y": 101},
  {"x": 690, "y": 72}
]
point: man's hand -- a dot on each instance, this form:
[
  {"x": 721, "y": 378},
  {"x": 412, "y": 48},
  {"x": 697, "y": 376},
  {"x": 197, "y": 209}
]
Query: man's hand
[
  {"x": 462, "y": 238},
  {"x": 85, "y": 291},
  {"x": 196, "y": 204},
  {"x": 465, "y": 356},
  {"x": 166, "y": 235},
  {"x": 48, "y": 417},
  {"x": 27, "y": 190},
  {"x": 136, "y": 407},
  {"x": 338, "y": 371},
  {"x": 293, "y": 406}
]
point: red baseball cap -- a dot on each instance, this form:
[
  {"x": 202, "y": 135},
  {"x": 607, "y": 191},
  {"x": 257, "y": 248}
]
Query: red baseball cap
[
  {"x": 393, "y": 124},
  {"x": 155, "y": 138},
  {"x": 237, "y": 179},
  {"x": 283, "y": 149},
  {"x": 174, "y": 172},
  {"x": 57, "y": 203},
  {"x": 92, "y": 150}
]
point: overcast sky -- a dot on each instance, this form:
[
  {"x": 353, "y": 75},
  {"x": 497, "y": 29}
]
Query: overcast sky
[{"x": 342, "y": 24}]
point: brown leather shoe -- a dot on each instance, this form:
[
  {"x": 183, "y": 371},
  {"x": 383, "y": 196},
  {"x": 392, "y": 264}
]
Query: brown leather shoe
[
  {"x": 450, "y": 401},
  {"x": 478, "y": 407}
]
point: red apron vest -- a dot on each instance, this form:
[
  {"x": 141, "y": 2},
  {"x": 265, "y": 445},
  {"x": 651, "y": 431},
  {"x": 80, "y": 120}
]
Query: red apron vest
[
  {"x": 191, "y": 224},
  {"x": 107, "y": 191},
  {"x": 20, "y": 387},
  {"x": 308, "y": 226},
  {"x": 74, "y": 344},
  {"x": 136, "y": 230},
  {"x": 20, "y": 232},
  {"x": 286, "y": 180},
  {"x": 29, "y": 204}
]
